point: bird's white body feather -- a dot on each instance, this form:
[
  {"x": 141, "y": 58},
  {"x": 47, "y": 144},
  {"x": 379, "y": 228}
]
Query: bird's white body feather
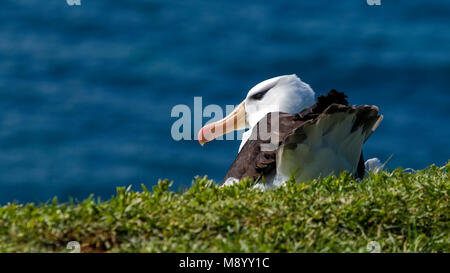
[{"x": 329, "y": 148}]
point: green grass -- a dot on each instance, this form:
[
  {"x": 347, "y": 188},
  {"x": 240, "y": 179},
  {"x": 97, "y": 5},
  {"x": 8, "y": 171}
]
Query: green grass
[{"x": 403, "y": 212}]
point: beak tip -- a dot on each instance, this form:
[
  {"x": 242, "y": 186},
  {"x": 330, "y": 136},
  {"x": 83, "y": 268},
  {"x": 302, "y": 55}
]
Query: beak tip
[
  {"x": 201, "y": 139},
  {"x": 230, "y": 123},
  {"x": 201, "y": 142}
]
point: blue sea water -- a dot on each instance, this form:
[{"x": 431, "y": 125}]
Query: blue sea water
[{"x": 86, "y": 91}]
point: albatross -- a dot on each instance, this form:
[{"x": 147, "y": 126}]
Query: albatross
[{"x": 308, "y": 138}]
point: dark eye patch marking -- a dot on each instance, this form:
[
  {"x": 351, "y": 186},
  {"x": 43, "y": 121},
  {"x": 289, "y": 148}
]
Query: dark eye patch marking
[{"x": 260, "y": 94}]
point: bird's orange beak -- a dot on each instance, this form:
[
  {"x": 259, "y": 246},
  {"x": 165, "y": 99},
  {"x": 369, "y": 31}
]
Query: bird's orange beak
[{"x": 234, "y": 121}]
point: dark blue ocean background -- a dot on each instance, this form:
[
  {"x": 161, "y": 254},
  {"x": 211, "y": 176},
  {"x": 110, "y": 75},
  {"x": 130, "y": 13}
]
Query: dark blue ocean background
[{"x": 86, "y": 91}]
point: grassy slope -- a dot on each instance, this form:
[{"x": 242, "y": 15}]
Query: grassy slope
[{"x": 399, "y": 210}]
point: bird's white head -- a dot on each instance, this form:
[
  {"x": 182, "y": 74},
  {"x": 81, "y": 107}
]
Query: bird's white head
[{"x": 287, "y": 94}]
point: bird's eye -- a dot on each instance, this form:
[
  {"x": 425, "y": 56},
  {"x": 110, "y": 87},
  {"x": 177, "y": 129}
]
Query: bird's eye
[{"x": 259, "y": 95}]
